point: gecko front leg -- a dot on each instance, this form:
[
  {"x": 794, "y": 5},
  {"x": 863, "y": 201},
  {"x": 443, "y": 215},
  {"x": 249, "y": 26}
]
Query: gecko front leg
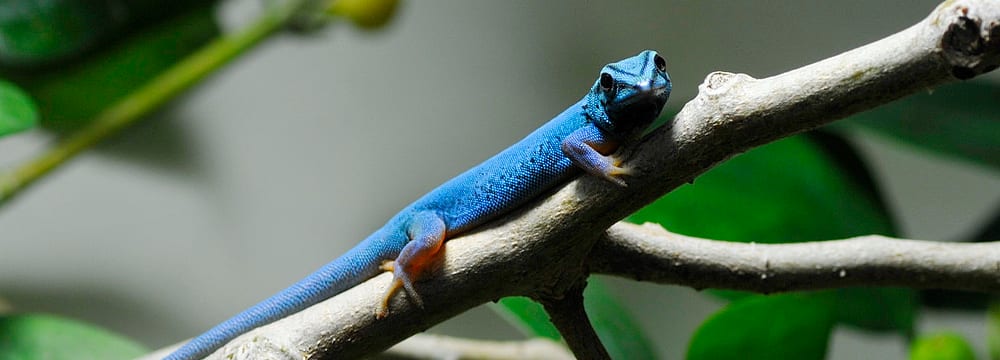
[{"x": 590, "y": 149}]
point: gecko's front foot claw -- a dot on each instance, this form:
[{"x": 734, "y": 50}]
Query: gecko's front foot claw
[
  {"x": 616, "y": 172},
  {"x": 613, "y": 178}
]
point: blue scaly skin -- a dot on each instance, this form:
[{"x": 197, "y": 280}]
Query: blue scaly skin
[{"x": 624, "y": 100}]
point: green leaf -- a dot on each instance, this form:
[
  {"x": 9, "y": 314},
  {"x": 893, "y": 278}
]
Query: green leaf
[
  {"x": 880, "y": 309},
  {"x": 528, "y": 316},
  {"x": 619, "y": 332},
  {"x": 38, "y": 336},
  {"x": 960, "y": 120},
  {"x": 993, "y": 330},
  {"x": 71, "y": 95},
  {"x": 943, "y": 346},
  {"x": 41, "y": 33},
  {"x": 789, "y": 326},
  {"x": 17, "y": 110},
  {"x": 786, "y": 191}
]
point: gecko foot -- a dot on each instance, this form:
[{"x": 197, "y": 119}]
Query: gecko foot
[
  {"x": 400, "y": 279},
  {"x": 426, "y": 233}
]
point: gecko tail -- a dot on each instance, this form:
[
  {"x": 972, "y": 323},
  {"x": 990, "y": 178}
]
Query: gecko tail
[{"x": 352, "y": 268}]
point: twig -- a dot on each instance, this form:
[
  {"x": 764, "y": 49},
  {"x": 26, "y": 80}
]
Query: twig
[
  {"x": 570, "y": 318},
  {"x": 539, "y": 249},
  {"x": 650, "y": 253}
]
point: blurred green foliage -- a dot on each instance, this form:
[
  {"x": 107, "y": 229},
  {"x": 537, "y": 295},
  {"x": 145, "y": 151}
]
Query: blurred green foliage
[
  {"x": 788, "y": 326},
  {"x": 72, "y": 94},
  {"x": 957, "y": 120},
  {"x": 39, "y": 336},
  {"x": 941, "y": 346},
  {"x": 17, "y": 111},
  {"x": 39, "y": 33},
  {"x": 619, "y": 331}
]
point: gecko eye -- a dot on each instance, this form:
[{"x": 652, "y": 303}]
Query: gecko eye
[
  {"x": 660, "y": 63},
  {"x": 607, "y": 82}
]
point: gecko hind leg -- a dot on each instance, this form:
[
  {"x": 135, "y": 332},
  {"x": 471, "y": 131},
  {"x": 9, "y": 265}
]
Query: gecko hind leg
[{"x": 426, "y": 232}]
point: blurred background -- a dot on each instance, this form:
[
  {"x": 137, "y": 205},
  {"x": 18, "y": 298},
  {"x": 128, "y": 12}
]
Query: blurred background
[{"x": 292, "y": 154}]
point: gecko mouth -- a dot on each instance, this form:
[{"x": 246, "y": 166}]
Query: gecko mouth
[
  {"x": 644, "y": 110},
  {"x": 639, "y": 111},
  {"x": 646, "y": 103},
  {"x": 658, "y": 93}
]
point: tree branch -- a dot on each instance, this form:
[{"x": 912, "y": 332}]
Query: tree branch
[
  {"x": 650, "y": 253},
  {"x": 541, "y": 249},
  {"x": 430, "y": 346},
  {"x": 426, "y": 346}
]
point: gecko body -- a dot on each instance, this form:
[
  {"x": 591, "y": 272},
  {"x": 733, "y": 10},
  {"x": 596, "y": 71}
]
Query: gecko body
[{"x": 625, "y": 99}]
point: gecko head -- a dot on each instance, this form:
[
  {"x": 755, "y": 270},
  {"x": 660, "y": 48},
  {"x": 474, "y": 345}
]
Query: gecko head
[{"x": 629, "y": 94}]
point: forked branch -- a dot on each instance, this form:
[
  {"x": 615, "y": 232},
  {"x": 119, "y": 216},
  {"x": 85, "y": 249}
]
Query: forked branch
[{"x": 542, "y": 249}]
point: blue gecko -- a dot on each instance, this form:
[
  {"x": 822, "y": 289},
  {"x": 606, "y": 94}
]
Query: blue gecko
[{"x": 623, "y": 102}]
